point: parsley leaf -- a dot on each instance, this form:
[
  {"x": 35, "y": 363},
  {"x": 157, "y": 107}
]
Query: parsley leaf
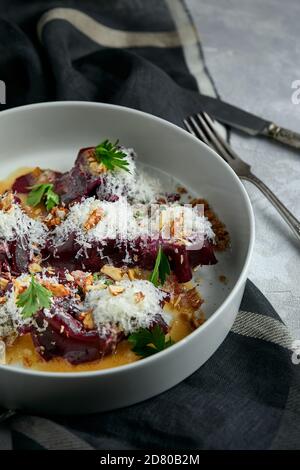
[
  {"x": 52, "y": 199},
  {"x": 43, "y": 193},
  {"x": 111, "y": 156},
  {"x": 147, "y": 342},
  {"x": 34, "y": 298},
  {"x": 161, "y": 268}
]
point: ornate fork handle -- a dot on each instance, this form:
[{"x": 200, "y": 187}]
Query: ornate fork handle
[{"x": 283, "y": 211}]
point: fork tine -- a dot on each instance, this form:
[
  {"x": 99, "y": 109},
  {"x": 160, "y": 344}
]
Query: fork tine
[
  {"x": 222, "y": 141},
  {"x": 188, "y": 127},
  {"x": 213, "y": 137},
  {"x": 193, "y": 127}
]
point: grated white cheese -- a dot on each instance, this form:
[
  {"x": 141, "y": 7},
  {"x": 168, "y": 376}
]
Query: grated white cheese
[
  {"x": 8, "y": 311},
  {"x": 121, "y": 221},
  {"x": 133, "y": 217},
  {"x": 137, "y": 185},
  {"x": 117, "y": 222},
  {"x": 145, "y": 189},
  {"x": 16, "y": 224},
  {"x": 123, "y": 311},
  {"x": 180, "y": 222},
  {"x": 118, "y": 181},
  {"x": 10, "y": 314}
]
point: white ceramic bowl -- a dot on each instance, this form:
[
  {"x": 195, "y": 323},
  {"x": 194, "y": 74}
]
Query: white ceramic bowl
[{"x": 49, "y": 135}]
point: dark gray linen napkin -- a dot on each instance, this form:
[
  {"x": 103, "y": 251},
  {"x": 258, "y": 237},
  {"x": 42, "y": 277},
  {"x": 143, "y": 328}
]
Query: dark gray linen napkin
[{"x": 146, "y": 55}]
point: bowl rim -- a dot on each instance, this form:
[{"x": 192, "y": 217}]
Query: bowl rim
[{"x": 216, "y": 314}]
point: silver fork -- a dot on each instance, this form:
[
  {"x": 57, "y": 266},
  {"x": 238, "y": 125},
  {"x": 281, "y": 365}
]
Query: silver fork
[{"x": 202, "y": 126}]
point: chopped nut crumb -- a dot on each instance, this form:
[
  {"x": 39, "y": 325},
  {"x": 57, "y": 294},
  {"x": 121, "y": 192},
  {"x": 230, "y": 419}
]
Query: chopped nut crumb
[
  {"x": 135, "y": 273},
  {"x": 187, "y": 301},
  {"x": 97, "y": 168},
  {"x": 116, "y": 290},
  {"x": 131, "y": 274},
  {"x": 94, "y": 218},
  {"x": 50, "y": 270},
  {"x": 172, "y": 228},
  {"x": 222, "y": 236},
  {"x": 161, "y": 200},
  {"x": 177, "y": 301},
  {"x": 36, "y": 172},
  {"x": 58, "y": 290},
  {"x": 56, "y": 216},
  {"x": 88, "y": 321},
  {"x": 114, "y": 273},
  {"x": 35, "y": 268},
  {"x": 223, "y": 279},
  {"x": 19, "y": 288},
  {"x": 181, "y": 190},
  {"x": 6, "y": 201},
  {"x": 83, "y": 279},
  {"x": 3, "y": 283},
  {"x": 138, "y": 297}
]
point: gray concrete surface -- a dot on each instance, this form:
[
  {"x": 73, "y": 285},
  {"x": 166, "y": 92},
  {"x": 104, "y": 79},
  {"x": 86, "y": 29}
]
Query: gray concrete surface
[{"x": 252, "y": 52}]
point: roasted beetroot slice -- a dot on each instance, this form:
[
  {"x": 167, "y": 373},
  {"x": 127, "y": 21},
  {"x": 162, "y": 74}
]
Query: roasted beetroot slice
[
  {"x": 79, "y": 181},
  {"x": 182, "y": 259},
  {"x": 71, "y": 186},
  {"x": 204, "y": 256},
  {"x": 65, "y": 337},
  {"x": 159, "y": 321},
  {"x": 25, "y": 182},
  {"x": 141, "y": 253},
  {"x": 4, "y": 260},
  {"x": 13, "y": 258}
]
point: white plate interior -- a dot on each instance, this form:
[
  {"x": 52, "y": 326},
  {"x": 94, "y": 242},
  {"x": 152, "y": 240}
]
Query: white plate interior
[{"x": 50, "y": 137}]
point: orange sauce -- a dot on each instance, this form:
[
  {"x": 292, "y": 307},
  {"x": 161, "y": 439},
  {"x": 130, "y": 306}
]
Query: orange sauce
[
  {"x": 22, "y": 351},
  {"x": 7, "y": 183}
]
